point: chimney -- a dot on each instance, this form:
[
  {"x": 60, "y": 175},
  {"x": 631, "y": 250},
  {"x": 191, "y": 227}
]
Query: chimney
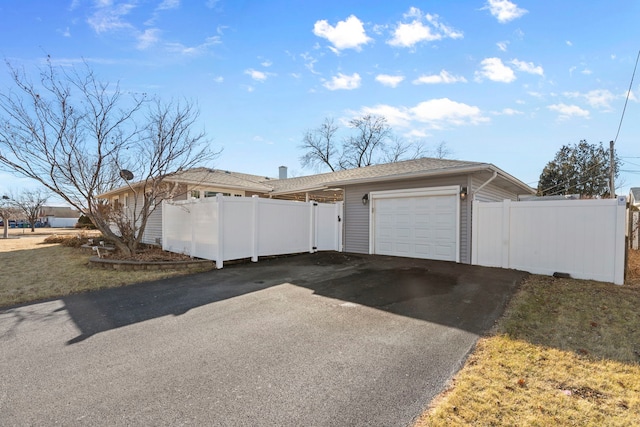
[{"x": 283, "y": 172}]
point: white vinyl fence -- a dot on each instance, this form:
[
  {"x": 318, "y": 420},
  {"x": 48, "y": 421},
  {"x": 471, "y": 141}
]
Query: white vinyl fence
[
  {"x": 584, "y": 238},
  {"x": 228, "y": 228}
]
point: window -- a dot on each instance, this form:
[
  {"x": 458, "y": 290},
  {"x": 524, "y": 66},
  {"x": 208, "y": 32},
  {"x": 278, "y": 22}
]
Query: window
[
  {"x": 195, "y": 194},
  {"x": 213, "y": 193}
]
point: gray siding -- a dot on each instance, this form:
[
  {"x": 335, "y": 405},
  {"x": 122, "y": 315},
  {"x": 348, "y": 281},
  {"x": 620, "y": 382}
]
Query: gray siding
[
  {"x": 153, "y": 230},
  {"x": 491, "y": 192},
  {"x": 356, "y": 216}
]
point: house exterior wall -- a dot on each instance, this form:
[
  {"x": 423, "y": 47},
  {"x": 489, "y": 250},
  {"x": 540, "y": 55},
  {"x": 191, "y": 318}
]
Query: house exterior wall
[
  {"x": 356, "y": 215},
  {"x": 490, "y": 192}
]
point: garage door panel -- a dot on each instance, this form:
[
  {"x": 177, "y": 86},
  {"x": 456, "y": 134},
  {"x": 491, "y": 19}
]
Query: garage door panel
[{"x": 417, "y": 227}]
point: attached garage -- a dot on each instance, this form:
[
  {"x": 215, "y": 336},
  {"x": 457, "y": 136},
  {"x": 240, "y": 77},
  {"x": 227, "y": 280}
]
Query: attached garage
[{"x": 416, "y": 223}]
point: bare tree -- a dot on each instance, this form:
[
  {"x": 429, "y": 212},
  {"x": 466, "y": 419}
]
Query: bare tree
[
  {"x": 30, "y": 203},
  {"x": 372, "y": 142},
  {"x": 7, "y": 211},
  {"x": 441, "y": 151},
  {"x": 362, "y": 149},
  {"x": 75, "y": 135},
  {"x": 400, "y": 150},
  {"x": 320, "y": 146}
]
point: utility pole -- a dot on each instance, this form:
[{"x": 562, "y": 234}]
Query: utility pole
[{"x": 612, "y": 174}]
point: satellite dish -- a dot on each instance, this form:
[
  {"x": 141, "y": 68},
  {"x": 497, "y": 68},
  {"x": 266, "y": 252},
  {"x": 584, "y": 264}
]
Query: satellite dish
[{"x": 126, "y": 174}]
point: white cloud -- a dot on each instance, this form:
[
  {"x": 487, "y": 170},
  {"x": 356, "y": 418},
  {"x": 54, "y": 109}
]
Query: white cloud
[
  {"x": 421, "y": 28},
  {"x": 509, "y": 112},
  {"x": 109, "y": 17},
  {"x": 568, "y": 111},
  {"x": 396, "y": 116},
  {"x": 148, "y": 38},
  {"x": 493, "y": 69},
  {"x": 528, "y": 67},
  {"x": 342, "y": 81},
  {"x": 169, "y": 4},
  {"x": 309, "y": 62},
  {"x": 389, "y": 80},
  {"x": 266, "y": 63},
  {"x": 569, "y": 43},
  {"x": 256, "y": 75},
  {"x": 502, "y": 45},
  {"x": 193, "y": 50},
  {"x": 441, "y": 112},
  {"x": 432, "y": 114},
  {"x": 598, "y": 98},
  {"x": 218, "y": 79},
  {"x": 504, "y": 10},
  {"x": 347, "y": 34},
  {"x": 443, "y": 77}
]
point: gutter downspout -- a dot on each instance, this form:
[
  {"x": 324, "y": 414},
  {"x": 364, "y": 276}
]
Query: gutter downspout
[{"x": 495, "y": 175}]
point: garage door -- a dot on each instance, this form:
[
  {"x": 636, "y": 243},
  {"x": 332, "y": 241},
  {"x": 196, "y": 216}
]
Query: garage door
[{"x": 417, "y": 223}]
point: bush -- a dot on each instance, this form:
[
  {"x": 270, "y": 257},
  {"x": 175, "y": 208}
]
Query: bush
[
  {"x": 85, "y": 223},
  {"x": 73, "y": 240}
]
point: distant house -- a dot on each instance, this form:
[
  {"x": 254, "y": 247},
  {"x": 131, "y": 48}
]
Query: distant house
[{"x": 58, "y": 216}]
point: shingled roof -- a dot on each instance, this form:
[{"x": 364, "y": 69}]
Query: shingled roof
[
  {"x": 224, "y": 178},
  {"x": 383, "y": 172},
  {"x": 407, "y": 169}
]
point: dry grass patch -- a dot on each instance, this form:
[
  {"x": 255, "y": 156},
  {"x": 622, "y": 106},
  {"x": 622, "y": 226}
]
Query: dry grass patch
[
  {"x": 566, "y": 352},
  {"x": 34, "y": 270}
]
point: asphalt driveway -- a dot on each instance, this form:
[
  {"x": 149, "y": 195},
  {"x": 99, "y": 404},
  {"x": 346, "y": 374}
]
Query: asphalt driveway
[{"x": 319, "y": 339}]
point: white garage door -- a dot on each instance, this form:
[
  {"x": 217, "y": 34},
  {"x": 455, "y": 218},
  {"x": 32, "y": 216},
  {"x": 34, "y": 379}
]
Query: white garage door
[{"x": 418, "y": 223}]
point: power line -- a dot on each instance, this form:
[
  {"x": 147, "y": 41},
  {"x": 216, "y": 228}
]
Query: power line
[{"x": 626, "y": 101}]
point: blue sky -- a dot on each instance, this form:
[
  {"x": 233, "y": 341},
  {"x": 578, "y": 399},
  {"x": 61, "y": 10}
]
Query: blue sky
[{"x": 498, "y": 81}]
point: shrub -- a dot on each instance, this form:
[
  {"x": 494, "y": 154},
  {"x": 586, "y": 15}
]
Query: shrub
[
  {"x": 85, "y": 223},
  {"x": 73, "y": 240}
]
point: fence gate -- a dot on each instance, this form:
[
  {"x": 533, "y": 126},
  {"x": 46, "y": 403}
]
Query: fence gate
[{"x": 227, "y": 228}]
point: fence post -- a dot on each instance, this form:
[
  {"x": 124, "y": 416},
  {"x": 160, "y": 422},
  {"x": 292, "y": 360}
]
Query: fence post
[
  {"x": 620, "y": 244},
  {"x": 312, "y": 226},
  {"x": 164, "y": 225},
  {"x": 340, "y": 221},
  {"x": 475, "y": 217},
  {"x": 255, "y": 200},
  {"x": 193, "y": 211},
  {"x": 220, "y": 208},
  {"x": 506, "y": 233}
]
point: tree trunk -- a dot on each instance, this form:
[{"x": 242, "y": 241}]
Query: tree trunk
[{"x": 5, "y": 233}]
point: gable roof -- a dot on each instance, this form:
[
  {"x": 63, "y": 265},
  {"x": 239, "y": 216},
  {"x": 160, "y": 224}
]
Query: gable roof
[{"x": 407, "y": 169}]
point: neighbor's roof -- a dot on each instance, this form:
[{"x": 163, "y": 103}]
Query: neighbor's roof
[
  {"x": 635, "y": 192},
  {"x": 59, "y": 212},
  {"x": 407, "y": 169}
]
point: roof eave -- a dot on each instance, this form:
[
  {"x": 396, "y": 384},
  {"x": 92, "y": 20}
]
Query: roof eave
[
  {"x": 439, "y": 172},
  {"x": 299, "y": 190}
]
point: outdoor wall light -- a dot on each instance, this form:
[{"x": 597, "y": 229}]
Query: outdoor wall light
[
  {"x": 365, "y": 199},
  {"x": 463, "y": 193}
]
